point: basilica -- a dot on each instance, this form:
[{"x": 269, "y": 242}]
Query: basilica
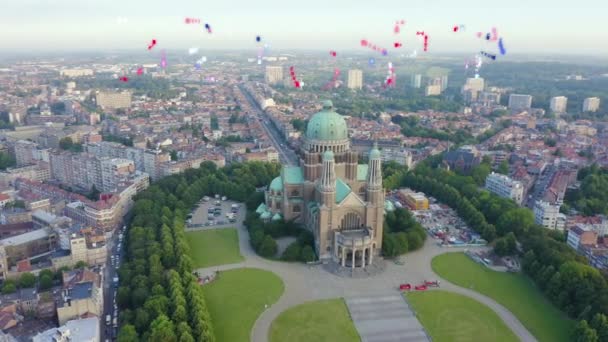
[{"x": 331, "y": 194}]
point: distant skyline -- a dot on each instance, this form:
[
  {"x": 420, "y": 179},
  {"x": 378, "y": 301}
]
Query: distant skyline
[{"x": 527, "y": 27}]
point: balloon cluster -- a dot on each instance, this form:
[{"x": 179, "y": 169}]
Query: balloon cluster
[
  {"x": 374, "y": 47},
  {"x": 296, "y": 83},
  {"x": 390, "y": 78},
  {"x": 334, "y": 82}
]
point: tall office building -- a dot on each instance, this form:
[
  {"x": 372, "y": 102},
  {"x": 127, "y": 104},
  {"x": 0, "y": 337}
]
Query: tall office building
[
  {"x": 519, "y": 102},
  {"x": 274, "y": 74},
  {"x": 416, "y": 81},
  {"x": 558, "y": 104},
  {"x": 591, "y": 104},
  {"x": 488, "y": 98},
  {"x": 113, "y": 100},
  {"x": 444, "y": 82},
  {"x": 355, "y": 79}
]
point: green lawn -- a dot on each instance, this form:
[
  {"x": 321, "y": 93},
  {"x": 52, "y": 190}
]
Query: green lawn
[
  {"x": 318, "y": 321},
  {"x": 237, "y": 298},
  {"x": 514, "y": 291},
  {"x": 452, "y": 317},
  {"x": 214, "y": 247}
]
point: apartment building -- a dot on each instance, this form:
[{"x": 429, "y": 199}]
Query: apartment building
[
  {"x": 274, "y": 74},
  {"x": 505, "y": 187},
  {"x": 41, "y": 171},
  {"x": 153, "y": 159},
  {"x": 548, "y": 215},
  {"x": 520, "y": 102},
  {"x": 355, "y": 79},
  {"x": 591, "y": 104},
  {"x": 82, "y": 293},
  {"x": 558, "y": 104},
  {"x": 113, "y": 100}
]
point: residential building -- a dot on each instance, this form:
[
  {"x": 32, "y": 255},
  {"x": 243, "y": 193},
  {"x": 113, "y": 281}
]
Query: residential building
[
  {"x": 505, "y": 187},
  {"x": 81, "y": 330},
  {"x": 76, "y": 72},
  {"x": 414, "y": 200},
  {"x": 41, "y": 171},
  {"x": 548, "y": 215},
  {"x": 355, "y": 79},
  {"x": 274, "y": 74},
  {"x": 558, "y": 104},
  {"x": 488, "y": 98},
  {"x": 113, "y": 100},
  {"x": 520, "y": 102},
  {"x": 416, "y": 81},
  {"x": 431, "y": 90},
  {"x": 463, "y": 160},
  {"x": 82, "y": 294},
  {"x": 153, "y": 159},
  {"x": 472, "y": 87},
  {"x": 26, "y": 246},
  {"x": 591, "y": 104},
  {"x": 581, "y": 235}
]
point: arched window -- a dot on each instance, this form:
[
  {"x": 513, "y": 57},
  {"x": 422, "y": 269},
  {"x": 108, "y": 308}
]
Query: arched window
[
  {"x": 295, "y": 193},
  {"x": 297, "y": 208},
  {"x": 351, "y": 221}
]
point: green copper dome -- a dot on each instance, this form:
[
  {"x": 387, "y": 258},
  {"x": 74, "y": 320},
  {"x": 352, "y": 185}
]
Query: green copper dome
[
  {"x": 375, "y": 152},
  {"x": 276, "y": 184},
  {"x": 327, "y": 125}
]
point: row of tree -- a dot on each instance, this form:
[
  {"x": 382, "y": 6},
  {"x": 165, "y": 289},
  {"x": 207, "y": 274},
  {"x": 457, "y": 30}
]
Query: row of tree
[{"x": 580, "y": 290}]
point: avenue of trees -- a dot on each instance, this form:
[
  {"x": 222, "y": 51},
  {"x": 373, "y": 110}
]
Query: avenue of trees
[
  {"x": 159, "y": 297},
  {"x": 566, "y": 279}
]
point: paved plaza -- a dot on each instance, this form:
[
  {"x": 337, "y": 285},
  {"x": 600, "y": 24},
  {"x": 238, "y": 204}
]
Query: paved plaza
[
  {"x": 305, "y": 283},
  {"x": 385, "y": 318}
]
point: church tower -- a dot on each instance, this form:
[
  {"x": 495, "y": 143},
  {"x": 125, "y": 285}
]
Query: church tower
[
  {"x": 327, "y": 184},
  {"x": 374, "y": 177}
]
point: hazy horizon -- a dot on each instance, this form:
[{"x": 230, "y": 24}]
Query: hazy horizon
[{"x": 542, "y": 28}]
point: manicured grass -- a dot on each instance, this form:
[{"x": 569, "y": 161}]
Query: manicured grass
[
  {"x": 514, "y": 291},
  {"x": 237, "y": 298},
  {"x": 452, "y": 317},
  {"x": 214, "y": 247},
  {"x": 318, "y": 321}
]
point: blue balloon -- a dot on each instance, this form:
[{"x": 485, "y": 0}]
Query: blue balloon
[{"x": 372, "y": 61}]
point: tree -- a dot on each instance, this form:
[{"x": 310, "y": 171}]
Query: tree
[
  {"x": 268, "y": 247},
  {"x": 308, "y": 254},
  {"x": 93, "y": 195},
  {"x": 480, "y": 173},
  {"x": 162, "y": 330},
  {"x": 173, "y": 155},
  {"x": 128, "y": 334},
  {"x": 584, "y": 333},
  {"x": 503, "y": 168},
  {"x": 292, "y": 252},
  {"x": 45, "y": 282},
  {"x": 9, "y": 287},
  {"x": 27, "y": 280},
  {"x": 7, "y": 160},
  {"x": 81, "y": 264},
  {"x": 600, "y": 324},
  {"x": 66, "y": 143},
  {"x": 517, "y": 220}
]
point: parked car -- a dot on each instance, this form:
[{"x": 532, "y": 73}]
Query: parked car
[
  {"x": 405, "y": 287},
  {"x": 420, "y": 287},
  {"x": 433, "y": 283}
]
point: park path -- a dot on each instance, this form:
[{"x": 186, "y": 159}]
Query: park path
[{"x": 305, "y": 283}]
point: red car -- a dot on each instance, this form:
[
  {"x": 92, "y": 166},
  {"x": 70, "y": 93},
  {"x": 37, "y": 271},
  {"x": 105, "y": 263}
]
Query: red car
[
  {"x": 405, "y": 287},
  {"x": 434, "y": 283},
  {"x": 420, "y": 287}
]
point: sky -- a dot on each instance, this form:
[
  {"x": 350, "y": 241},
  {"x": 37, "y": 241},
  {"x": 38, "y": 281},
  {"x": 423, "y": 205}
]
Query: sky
[{"x": 527, "y": 27}]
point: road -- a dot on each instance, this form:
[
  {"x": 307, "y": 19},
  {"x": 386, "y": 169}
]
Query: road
[
  {"x": 287, "y": 156},
  {"x": 109, "y": 333},
  {"x": 305, "y": 283}
]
